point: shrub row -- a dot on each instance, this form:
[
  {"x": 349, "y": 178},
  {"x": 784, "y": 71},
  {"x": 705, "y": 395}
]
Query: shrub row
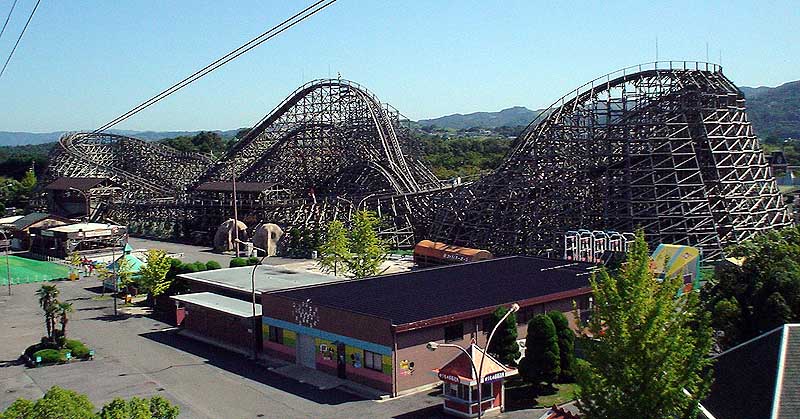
[{"x": 239, "y": 262}]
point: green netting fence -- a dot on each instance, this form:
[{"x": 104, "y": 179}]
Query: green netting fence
[{"x": 26, "y": 271}]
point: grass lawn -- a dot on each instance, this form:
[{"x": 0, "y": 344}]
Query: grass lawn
[
  {"x": 521, "y": 395},
  {"x": 25, "y": 270}
]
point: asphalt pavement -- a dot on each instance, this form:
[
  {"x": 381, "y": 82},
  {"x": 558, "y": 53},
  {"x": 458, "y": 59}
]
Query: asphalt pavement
[{"x": 138, "y": 355}]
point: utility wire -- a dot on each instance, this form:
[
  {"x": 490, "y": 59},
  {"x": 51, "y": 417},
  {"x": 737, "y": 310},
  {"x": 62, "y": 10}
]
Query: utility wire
[
  {"x": 20, "y": 37},
  {"x": 7, "y": 18},
  {"x": 264, "y": 37}
]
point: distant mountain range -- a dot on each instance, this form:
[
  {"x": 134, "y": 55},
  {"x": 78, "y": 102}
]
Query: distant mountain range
[
  {"x": 774, "y": 112},
  {"x": 518, "y": 115},
  {"x": 24, "y": 138}
]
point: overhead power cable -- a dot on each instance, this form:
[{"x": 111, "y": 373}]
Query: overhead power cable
[
  {"x": 7, "y": 18},
  {"x": 20, "y": 36},
  {"x": 264, "y": 37}
]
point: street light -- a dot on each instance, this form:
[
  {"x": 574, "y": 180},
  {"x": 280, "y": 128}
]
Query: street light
[
  {"x": 8, "y": 265},
  {"x": 255, "y": 324},
  {"x": 86, "y": 197},
  {"x": 114, "y": 264},
  {"x": 432, "y": 346}
]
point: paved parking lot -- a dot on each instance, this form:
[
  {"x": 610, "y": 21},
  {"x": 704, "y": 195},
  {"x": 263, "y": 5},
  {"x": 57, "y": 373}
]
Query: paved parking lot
[{"x": 141, "y": 356}]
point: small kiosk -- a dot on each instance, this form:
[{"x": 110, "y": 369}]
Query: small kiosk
[{"x": 460, "y": 387}]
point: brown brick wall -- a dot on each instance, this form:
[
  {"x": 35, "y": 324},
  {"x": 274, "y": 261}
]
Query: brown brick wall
[
  {"x": 412, "y": 344},
  {"x": 344, "y": 323},
  {"x": 219, "y": 326}
]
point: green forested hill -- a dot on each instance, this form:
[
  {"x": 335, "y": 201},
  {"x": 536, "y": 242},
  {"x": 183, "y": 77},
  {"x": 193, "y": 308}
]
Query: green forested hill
[{"x": 774, "y": 111}]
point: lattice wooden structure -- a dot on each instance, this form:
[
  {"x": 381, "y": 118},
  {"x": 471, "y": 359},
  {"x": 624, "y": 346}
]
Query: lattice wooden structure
[
  {"x": 664, "y": 146},
  {"x": 329, "y": 148}
]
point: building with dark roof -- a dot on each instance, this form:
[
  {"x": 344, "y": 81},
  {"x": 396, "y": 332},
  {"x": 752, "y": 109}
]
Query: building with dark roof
[
  {"x": 374, "y": 330},
  {"x": 759, "y": 378},
  {"x": 79, "y": 196},
  {"x": 20, "y": 229}
]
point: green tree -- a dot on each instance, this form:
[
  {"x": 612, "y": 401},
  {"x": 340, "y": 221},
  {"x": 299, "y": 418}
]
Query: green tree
[
  {"x": 48, "y": 295},
  {"x": 75, "y": 260},
  {"x": 504, "y": 345},
  {"x": 161, "y": 408},
  {"x": 63, "y": 310},
  {"x": 25, "y": 188},
  {"x": 335, "y": 251},
  {"x": 566, "y": 343},
  {"x": 124, "y": 271},
  {"x": 542, "y": 359},
  {"x": 20, "y": 409},
  {"x": 103, "y": 274},
  {"x": 153, "y": 275},
  {"x": 156, "y": 407},
  {"x": 650, "y": 345},
  {"x": 761, "y": 294},
  {"x": 59, "y": 403},
  {"x": 367, "y": 249}
]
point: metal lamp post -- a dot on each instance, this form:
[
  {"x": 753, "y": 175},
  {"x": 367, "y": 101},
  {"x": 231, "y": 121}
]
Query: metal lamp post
[
  {"x": 7, "y": 244},
  {"x": 116, "y": 269},
  {"x": 255, "y": 324},
  {"x": 432, "y": 346}
]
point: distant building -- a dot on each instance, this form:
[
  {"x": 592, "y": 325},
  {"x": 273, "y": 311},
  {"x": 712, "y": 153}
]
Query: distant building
[
  {"x": 77, "y": 197},
  {"x": 64, "y": 239},
  {"x": 22, "y": 228},
  {"x": 428, "y": 253}
]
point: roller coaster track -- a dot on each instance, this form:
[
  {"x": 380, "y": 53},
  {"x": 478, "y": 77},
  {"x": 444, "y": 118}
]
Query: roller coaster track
[{"x": 663, "y": 146}]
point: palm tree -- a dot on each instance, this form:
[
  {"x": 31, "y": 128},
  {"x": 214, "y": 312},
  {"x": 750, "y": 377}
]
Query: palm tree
[
  {"x": 47, "y": 300},
  {"x": 63, "y": 309}
]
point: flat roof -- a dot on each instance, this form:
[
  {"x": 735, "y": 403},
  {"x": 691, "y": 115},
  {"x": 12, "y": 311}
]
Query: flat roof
[
  {"x": 433, "y": 293},
  {"x": 221, "y": 303},
  {"x": 74, "y": 228},
  {"x": 268, "y": 278},
  {"x": 10, "y": 220}
]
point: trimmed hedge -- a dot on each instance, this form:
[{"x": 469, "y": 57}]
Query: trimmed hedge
[
  {"x": 252, "y": 260},
  {"x": 212, "y": 265},
  {"x": 79, "y": 350},
  {"x": 44, "y": 344},
  {"x": 237, "y": 262},
  {"x": 51, "y": 356}
]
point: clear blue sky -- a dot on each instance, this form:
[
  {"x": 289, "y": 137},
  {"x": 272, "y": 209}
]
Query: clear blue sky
[{"x": 82, "y": 63}]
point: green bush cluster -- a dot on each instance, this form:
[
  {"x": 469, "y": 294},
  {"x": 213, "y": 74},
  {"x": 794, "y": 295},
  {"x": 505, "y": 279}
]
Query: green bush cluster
[
  {"x": 239, "y": 262},
  {"x": 79, "y": 350},
  {"x": 51, "y": 353},
  {"x": 59, "y": 403},
  {"x": 51, "y": 356}
]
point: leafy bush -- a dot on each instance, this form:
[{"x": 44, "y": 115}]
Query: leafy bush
[
  {"x": 44, "y": 344},
  {"x": 237, "y": 262},
  {"x": 199, "y": 266},
  {"x": 51, "y": 356},
  {"x": 252, "y": 260},
  {"x": 57, "y": 403},
  {"x": 79, "y": 350},
  {"x": 212, "y": 265}
]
